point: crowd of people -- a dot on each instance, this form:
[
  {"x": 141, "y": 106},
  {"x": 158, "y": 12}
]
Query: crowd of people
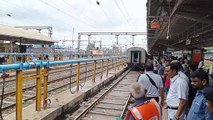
[{"x": 178, "y": 85}]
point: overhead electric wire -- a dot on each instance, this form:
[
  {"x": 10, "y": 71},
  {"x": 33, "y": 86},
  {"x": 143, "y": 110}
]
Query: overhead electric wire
[
  {"x": 105, "y": 13},
  {"x": 79, "y": 11},
  {"x": 128, "y": 40},
  {"x": 52, "y": 6},
  {"x": 13, "y": 15},
  {"x": 127, "y": 13},
  {"x": 122, "y": 13},
  {"x": 32, "y": 21}
]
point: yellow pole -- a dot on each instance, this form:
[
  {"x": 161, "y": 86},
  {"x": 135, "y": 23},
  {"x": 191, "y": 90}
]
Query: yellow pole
[
  {"x": 78, "y": 77},
  {"x": 107, "y": 68},
  {"x": 19, "y": 83},
  {"x": 113, "y": 64},
  {"x": 118, "y": 63},
  {"x": 94, "y": 73},
  {"x": 27, "y": 58},
  {"x": 10, "y": 60},
  {"x": 61, "y": 57},
  {"x": 45, "y": 87},
  {"x": 55, "y": 58},
  {"x": 102, "y": 68},
  {"x": 38, "y": 90}
]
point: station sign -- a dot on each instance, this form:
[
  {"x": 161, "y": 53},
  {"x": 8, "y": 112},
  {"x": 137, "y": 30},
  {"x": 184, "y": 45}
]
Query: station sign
[{"x": 197, "y": 55}]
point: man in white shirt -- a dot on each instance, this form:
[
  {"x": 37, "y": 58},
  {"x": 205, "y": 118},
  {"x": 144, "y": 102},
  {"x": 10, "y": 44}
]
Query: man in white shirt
[
  {"x": 156, "y": 65},
  {"x": 177, "y": 96},
  {"x": 183, "y": 75},
  {"x": 154, "y": 90}
]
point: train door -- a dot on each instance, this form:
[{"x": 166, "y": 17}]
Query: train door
[{"x": 136, "y": 57}]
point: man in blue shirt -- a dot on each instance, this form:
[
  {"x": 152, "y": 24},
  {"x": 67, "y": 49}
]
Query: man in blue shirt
[
  {"x": 208, "y": 92},
  {"x": 199, "y": 110}
]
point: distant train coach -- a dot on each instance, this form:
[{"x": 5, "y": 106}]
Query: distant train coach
[{"x": 136, "y": 57}]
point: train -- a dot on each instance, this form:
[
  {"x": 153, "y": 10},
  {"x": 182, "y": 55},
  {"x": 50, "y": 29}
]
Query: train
[{"x": 136, "y": 57}]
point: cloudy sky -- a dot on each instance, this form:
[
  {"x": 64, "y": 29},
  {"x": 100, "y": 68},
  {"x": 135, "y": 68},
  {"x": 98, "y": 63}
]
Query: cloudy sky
[{"x": 82, "y": 15}]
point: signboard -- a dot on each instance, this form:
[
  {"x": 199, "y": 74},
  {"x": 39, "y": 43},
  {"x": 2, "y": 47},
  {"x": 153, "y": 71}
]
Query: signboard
[
  {"x": 196, "y": 55},
  {"x": 170, "y": 50}
]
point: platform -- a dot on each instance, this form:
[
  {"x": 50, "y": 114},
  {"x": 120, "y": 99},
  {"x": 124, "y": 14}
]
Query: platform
[{"x": 65, "y": 100}]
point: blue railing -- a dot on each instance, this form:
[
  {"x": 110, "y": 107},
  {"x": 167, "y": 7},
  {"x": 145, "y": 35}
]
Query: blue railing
[{"x": 42, "y": 63}]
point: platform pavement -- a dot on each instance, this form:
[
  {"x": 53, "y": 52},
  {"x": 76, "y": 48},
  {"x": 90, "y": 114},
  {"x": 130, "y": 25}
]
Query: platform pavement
[{"x": 65, "y": 100}]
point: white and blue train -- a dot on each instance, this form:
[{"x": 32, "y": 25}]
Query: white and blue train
[{"x": 136, "y": 57}]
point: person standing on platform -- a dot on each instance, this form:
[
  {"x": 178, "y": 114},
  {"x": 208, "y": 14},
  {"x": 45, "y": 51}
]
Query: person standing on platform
[
  {"x": 192, "y": 91},
  {"x": 177, "y": 96},
  {"x": 201, "y": 64},
  {"x": 1, "y": 59},
  {"x": 167, "y": 79},
  {"x": 199, "y": 110},
  {"x": 208, "y": 93},
  {"x": 142, "y": 109},
  {"x": 153, "y": 83},
  {"x": 156, "y": 66},
  {"x": 181, "y": 74}
]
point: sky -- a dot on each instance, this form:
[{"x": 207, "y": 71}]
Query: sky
[{"x": 81, "y": 16}]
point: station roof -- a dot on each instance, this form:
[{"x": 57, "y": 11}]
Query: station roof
[
  {"x": 26, "y": 36},
  {"x": 190, "y": 26}
]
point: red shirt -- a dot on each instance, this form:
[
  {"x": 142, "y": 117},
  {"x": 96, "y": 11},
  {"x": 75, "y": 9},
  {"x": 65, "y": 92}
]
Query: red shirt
[{"x": 167, "y": 83}]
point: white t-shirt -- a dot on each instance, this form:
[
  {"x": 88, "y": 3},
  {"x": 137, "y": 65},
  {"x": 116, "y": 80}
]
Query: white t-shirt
[
  {"x": 201, "y": 64},
  {"x": 178, "y": 90},
  {"x": 152, "y": 91},
  {"x": 155, "y": 64}
]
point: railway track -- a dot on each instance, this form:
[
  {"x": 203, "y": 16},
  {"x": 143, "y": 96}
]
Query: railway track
[
  {"x": 55, "y": 85},
  {"x": 111, "y": 102}
]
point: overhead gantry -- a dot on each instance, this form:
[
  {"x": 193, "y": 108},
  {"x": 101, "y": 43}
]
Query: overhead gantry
[{"x": 116, "y": 34}]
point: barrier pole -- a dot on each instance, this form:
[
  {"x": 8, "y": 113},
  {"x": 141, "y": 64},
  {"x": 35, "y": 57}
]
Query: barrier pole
[
  {"x": 102, "y": 68},
  {"x": 45, "y": 87},
  {"x": 107, "y": 68},
  {"x": 38, "y": 89},
  {"x": 10, "y": 59},
  {"x": 78, "y": 76},
  {"x": 27, "y": 58},
  {"x": 118, "y": 63},
  {"x": 94, "y": 72},
  {"x": 19, "y": 84}
]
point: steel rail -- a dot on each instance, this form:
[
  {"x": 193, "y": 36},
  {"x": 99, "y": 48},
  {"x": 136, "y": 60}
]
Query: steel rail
[{"x": 85, "y": 111}]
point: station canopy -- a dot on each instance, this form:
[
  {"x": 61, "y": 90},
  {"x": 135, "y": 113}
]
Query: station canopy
[
  {"x": 24, "y": 36},
  {"x": 184, "y": 24}
]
